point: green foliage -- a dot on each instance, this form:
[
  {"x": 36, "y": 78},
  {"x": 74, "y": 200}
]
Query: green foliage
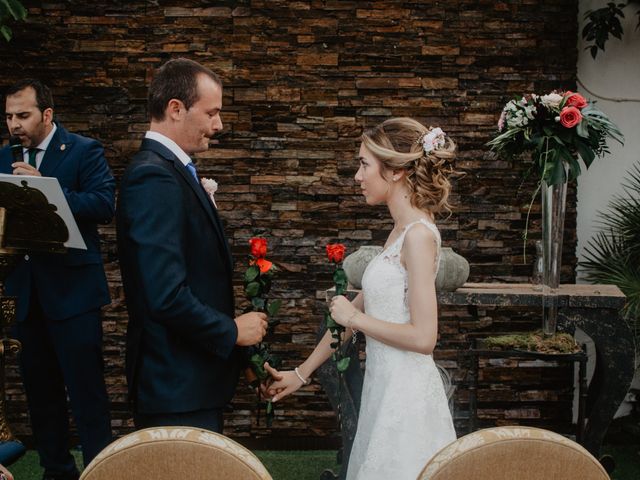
[
  {"x": 340, "y": 281},
  {"x": 257, "y": 285},
  {"x": 613, "y": 255},
  {"x": 10, "y": 10},
  {"x": 534, "y": 342},
  {"x": 602, "y": 23},
  {"x": 530, "y": 123},
  {"x": 343, "y": 364}
]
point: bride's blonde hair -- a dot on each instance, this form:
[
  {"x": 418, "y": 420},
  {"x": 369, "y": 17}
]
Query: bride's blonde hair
[{"x": 424, "y": 153}]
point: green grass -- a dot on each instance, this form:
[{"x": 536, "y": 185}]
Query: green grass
[
  {"x": 627, "y": 458},
  {"x": 282, "y": 465},
  {"x": 308, "y": 465}
]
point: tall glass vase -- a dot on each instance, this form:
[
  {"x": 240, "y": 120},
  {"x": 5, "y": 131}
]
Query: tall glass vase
[{"x": 554, "y": 205}]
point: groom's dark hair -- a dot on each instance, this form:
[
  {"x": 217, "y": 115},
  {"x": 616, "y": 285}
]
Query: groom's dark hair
[{"x": 177, "y": 79}]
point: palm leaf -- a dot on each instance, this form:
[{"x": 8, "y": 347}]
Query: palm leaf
[{"x": 612, "y": 256}]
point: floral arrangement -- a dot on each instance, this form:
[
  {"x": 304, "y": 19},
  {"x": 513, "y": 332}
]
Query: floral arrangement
[
  {"x": 335, "y": 253},
  {"x": 257, "y": 284},
  {"x": 556, "y": 128}
]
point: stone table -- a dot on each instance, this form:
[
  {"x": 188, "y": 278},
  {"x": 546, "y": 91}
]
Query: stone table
[{"x": 595, "y": 309}]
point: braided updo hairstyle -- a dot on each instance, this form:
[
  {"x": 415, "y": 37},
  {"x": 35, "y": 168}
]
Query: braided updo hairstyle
[{"x": 398, "y": 144}]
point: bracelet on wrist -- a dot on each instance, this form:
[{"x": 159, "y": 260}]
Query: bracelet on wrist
[
  {"x": 350, "y": 319},
  {"x": 302, "y": 379}
]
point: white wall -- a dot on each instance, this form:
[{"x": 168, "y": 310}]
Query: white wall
[
  {"x": 613, "y": 80},
  {"x": 614, "y": 74}
]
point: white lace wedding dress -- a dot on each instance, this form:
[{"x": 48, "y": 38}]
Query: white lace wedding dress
[{"x": 404, "y": 416}]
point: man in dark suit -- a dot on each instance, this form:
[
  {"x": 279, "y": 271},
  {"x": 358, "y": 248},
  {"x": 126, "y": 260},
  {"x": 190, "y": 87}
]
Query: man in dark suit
[
  {"x": 60, "y": 295},
  {"x": 183, "y": 355}
]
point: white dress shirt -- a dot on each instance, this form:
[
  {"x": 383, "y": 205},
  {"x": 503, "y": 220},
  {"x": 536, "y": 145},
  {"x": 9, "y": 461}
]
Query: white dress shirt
[{"x": 42, "y": 147}]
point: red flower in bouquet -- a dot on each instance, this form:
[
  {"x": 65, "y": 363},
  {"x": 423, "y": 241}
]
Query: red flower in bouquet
[
  {"x": 570, "y": 117},
  {"x": 575, "y": 100},
  {"x": 335, "y": 252},
  {"x": 258, "y": 247}
]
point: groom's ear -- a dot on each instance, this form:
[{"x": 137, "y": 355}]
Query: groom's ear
[{"x": 175, "y": 109}]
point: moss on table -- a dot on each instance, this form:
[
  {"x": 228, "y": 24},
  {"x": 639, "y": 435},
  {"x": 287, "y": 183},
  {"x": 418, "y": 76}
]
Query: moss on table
[{"x": 560, "y": 343}]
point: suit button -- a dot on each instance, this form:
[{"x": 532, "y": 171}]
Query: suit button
[{"x": 26, "y": 257}]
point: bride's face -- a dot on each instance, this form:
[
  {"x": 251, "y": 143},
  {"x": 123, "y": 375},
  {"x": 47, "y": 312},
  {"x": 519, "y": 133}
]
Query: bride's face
[{"x": 374, "y": 185}]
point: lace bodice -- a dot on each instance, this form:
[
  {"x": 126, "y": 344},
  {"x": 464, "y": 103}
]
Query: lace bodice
[{"x": 384, "y": 282}]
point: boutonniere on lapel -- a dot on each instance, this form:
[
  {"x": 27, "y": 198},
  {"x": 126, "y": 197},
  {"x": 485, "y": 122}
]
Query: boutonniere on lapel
[
  {"x": 63, "y": 147},
  {"x": 211, "y": 187}
]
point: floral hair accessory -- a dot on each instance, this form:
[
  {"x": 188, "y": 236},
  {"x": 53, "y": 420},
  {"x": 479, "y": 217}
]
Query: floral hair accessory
[
  {"x": 211, "y": 187},
  {"x": 432, "y": 140}
]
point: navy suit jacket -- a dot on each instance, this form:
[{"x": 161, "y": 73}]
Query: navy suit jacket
[
  {"x": 177, "y": 276},
  {"x": 72, "y": 283}
]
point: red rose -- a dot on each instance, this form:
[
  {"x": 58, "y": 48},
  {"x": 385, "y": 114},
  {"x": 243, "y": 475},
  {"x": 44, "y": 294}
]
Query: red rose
[
  {"x": 258, "y": 247},
  {"x": 575, "y": 100},
  {"x": 335, "y": 252},
  {"x": 570, "y": 117},
  {"x": 264, "y": 265}
]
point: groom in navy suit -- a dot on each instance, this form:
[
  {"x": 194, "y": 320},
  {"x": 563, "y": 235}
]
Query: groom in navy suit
[
  {"x": 183, "y": 339},
  {"x": 60, "y": 295}
]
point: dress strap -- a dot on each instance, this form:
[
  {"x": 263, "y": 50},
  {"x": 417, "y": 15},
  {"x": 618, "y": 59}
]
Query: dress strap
[{"x": 436, "y": 233}]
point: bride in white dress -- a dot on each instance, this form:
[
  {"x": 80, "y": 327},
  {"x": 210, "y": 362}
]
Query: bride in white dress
[{"x": 404, "y": 416}]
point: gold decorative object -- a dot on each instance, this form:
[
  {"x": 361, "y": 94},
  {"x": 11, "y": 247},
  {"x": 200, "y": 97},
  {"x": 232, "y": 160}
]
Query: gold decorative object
[{"x": 28, "y": 223}]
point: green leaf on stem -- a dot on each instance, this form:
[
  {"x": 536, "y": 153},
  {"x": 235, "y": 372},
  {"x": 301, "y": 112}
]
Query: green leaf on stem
[
  {"x": 343, "y": 364},
  {"x": 269, "y": 413},
  {"x": 251, "y": 274},
  {"x": 273, "y": 307},
  {"x": 258, "y": 304},
  {"x": 331, "y": 323},
  {"x": 257, "y": 365},
  {"x": 586, "y": 153},
  {"x": 340, "y": 281},
  {"x": 252, "y": 289}
]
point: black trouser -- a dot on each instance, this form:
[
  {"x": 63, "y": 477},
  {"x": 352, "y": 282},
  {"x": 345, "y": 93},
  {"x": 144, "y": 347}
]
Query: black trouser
[
  {"x": 60, "y": 357},
  {"x": 210, "y": 419}
]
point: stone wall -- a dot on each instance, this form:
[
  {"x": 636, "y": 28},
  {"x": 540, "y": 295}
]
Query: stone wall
[{"x": 302, "y": 79}]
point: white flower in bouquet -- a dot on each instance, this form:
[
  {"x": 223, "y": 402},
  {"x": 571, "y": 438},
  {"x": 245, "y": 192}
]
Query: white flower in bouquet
[{"x": 551, "y": 100}]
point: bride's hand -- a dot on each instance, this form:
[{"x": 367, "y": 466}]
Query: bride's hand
[
  {"x": 342, "y": 311},
  {"x": 284, "y": 385}
]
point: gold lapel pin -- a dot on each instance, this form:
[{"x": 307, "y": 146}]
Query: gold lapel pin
[{"x": 62, "y": 147}]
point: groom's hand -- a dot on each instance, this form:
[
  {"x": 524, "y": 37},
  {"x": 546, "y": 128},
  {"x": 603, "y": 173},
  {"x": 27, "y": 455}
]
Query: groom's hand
[{"x": 252, "y": 327}]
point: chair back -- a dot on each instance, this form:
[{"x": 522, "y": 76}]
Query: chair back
[
  {"x": 175, "y": 452},
  {"x": 507, "y": 453}
]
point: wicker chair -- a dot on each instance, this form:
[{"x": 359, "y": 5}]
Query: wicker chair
[
  {"x": 507, "y": 453},
  {"x": 175, "y": 452}
]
